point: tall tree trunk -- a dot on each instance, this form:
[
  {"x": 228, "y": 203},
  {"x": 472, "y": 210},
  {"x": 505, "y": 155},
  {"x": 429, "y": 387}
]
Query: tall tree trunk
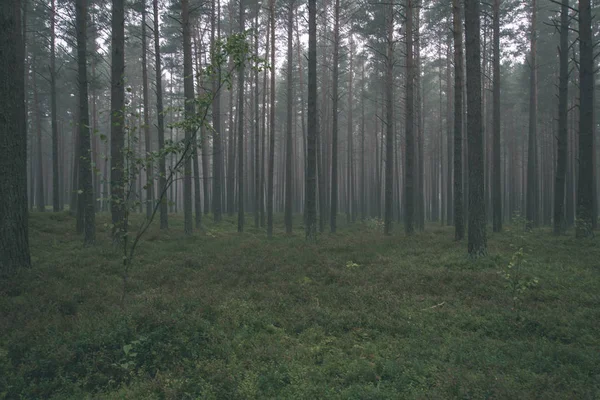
[
  {"x": 117, "y": 119},
  {"x": 449, "y": 137},
  {"x": 150, "y": 169},
  {"x": 532, "y": 202},
  {"x": 264, "y": 130},
  {"x": 162, "y": 172},
  {"x": 389, "y": 111},
  {"x": 289, "y": 122},
  {"x": 420, "y": 180},
  {"x": 271, "y": 124},
  {"x": 257, "y": 168},
  {"x": 496, "y": 168},
  {"x": 563, "y": 115},
  {"x": 190, "y": 142},
  {"x": 477, "y": 223},
  {"x": 459, "y": 228},
  {"x": 312, "y": 124},
  {"x": 241, "y": 76},
  {"x": 14, "y": 246},
  {"x": 85, "y": 189},
  {"x": 215, "y": 25},
  {"x": 334, "y": 115},
  {"x": 198, "y": 142},
  {"x": 409, "y": 168},
  {"x": 350, "y": 212},
  {"x": 55, "y": 179},
  {"x": 363, "y": 183},
  {"x": 585, "y": 184},
  {"x": 39, "y": 197}
]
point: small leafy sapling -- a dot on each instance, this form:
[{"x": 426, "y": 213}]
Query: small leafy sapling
[
  {"x": 517, "y": 280},
  {"x": 234, "y": 48}
]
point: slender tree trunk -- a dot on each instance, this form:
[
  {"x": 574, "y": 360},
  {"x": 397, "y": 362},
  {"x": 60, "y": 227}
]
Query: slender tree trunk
[
  {"x": 363, "y": 183},
  {"x": 14, "y": 246},
  {"x": 55, "y": 181},
  {"x": 477, "y": 222},
  {"x": 257, "y": 167},
  {"x": 532, "y": 202},
  {"x": 585, "y": 184},
  {"x": 241, "y": 76},
  {"x": 271, "y": 124},
  {"x": 409, "y": 168},
  {"x": 459, "y": 230},
  {"x": 289, "y": 122},
  {"x": 85, "y": 189},
  {"x": 334, "y": 115},
  {"x": 117, "y": 108},
  {"x": 41, "y": 204},
  {"x": 563, "y": 115},
  {"x": 450, "y": 138},
  {"x": 150, "y": 169},
  {"x": 162, "y": 180},
  {"x": 389, "y": 111},
  {"x": 496, "y": 168},
  {"x": 350, "y": 209},
  {"x": 216, "y": 118},
  {"x": 312, "y": 125},
  {"x": 190, "y": 143}
]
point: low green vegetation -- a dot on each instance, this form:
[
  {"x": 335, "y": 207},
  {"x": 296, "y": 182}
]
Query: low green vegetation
[{"x": 357, "y": 315}]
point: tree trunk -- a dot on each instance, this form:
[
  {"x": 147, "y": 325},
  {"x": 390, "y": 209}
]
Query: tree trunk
[
  {"x": 162, "y": 180},
  {"x": 150, "y": 170},
  {"x": 389, "y": 110},
  {"x": 350, "y": 209},
  {"x": 271, "y": 124},
  {"x": 409, "y": 168},
  {"x": 241, "y": 76},
  {"x": 585, "y": 184},
  {"x": 563, "y": 115},
  {"x": 312, "y": 124},
  {"x": 459, "y": 229},
  {"x": 190, "y": 142},
  {"x": 14, "y": 246},
  {"x": 215, "y": 24},
  {"x": 335, "y": 115},
  {"x": 117, "y": 120},
  {"x": 289, "y": 122},
  {"x": 85, "y": 205},
  {"x": 477, "y": 223},
  {"x": 55, "y": 181},
  {"x": 496, "y": 168},
  {"x": 532, "y": 201}
]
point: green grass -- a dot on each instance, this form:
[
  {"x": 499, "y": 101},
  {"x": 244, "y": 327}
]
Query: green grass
[{"x": 358, "y": 315}]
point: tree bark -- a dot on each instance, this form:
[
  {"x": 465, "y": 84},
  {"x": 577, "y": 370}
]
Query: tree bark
[
  {"x": 240, "y": 132},
  {"x": 409, "y": 168},
  {"x": 312, "y": 124},
  {"x": 532, "y": 202},
  {"x": 117, "y": 119},
  {"x": 162, "y": 172},
  {"x": 53, "y": 112},
  {"x": 289, "y": 122},
  {"x": 14, "y": 246},
  {"x": 271, "y": 124},
  {"x": 496, "y": 167},
  {"x": 585, "y": 184},
  {"x": 477, "y": 245},
  {"x": 85, "y": 188},
  {"x": 563, "y": 130},
  {"x": 335, "y": 115},
  {"x": 459, "y": 229},
  {"x": 190, "y": 145}
]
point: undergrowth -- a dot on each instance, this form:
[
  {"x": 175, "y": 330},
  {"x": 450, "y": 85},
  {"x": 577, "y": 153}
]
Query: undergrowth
[{"x": 357, "y": 315}]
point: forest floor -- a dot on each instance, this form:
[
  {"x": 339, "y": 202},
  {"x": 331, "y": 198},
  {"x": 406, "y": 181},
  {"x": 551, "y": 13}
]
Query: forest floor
[{"x": 357, "y": 315}]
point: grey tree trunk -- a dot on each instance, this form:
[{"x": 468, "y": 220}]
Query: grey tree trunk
[
  {"x": 271, "y": 124},
  {"x": 563, "y": 130},
  {"x": 312, "y": 124},
  {"x": 53, "y": 112},
  {"x": 289, "y": 122},
  {"x": 240, "y": 132},
  {"x": 389, "y": 109},
  {"x": 117, "y": 120},
  {"x": 459, "y": 228},
  {"x": 14, "y": 246},
  {"x": 585, "y": 184},
  {"x": 335, "y": 112},
  {"x": 150, "y": 171},
  {"x": 85, "y": 205},
  {"x": 216, "y": 119},
  {"x": 496, "y": 167},
  {"x": 190, "y": 143},
  {"x": 532, "y": 201},
  {"x": 409, "y": 168},
  {"x": 477, "y": 245},
  {"x": 162, "y": 180}
]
